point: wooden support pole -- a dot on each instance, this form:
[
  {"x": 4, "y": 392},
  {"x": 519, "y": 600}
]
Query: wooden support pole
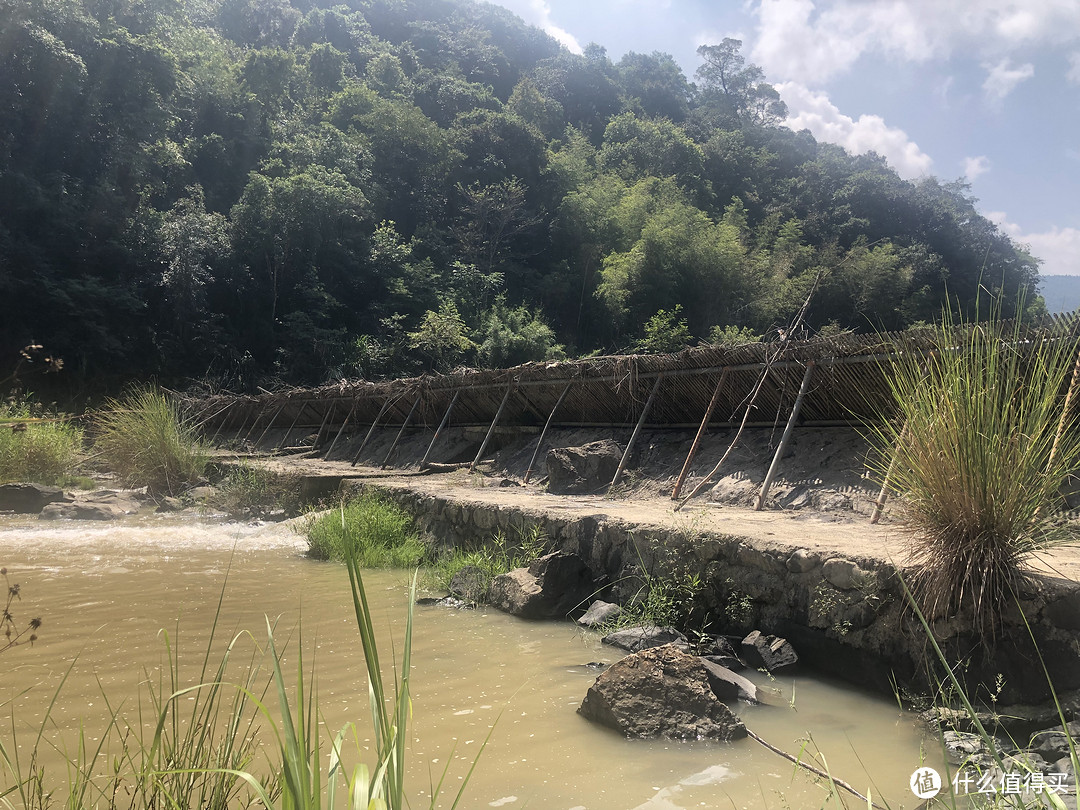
[
  {"x": 491, "y": 430},
  {"x": 697, "y": 439},
  {"x": 378, "y": 416},
  {"x": 254, "y": 422},
  {"x": 341, "y": 429},
  {"x": 637, "y": 429},
  {"x": 401, "y": 430},
  {"x": 221, "y": 424},
  {"x": 322, "y": 424},
  {"x": 269, "y": 425},
  {"x": 288, "y": 432},
  {"x": 543, "y": 433},
  {"x": 784, "y": 438},
  {"x": 883, "y": 496},
  {"x": 442, "y": 424}
]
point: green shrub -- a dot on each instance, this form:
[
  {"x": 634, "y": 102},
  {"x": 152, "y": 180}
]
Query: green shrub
[
  {"x": 981, "y": 450},
  {"x": 497, "y": 557},
  {"x": 40, "y": 451},
  {"x": 379, "y": 532},
  {"x": 146, "y": 441},
  {"x": 255, "y": 492}
]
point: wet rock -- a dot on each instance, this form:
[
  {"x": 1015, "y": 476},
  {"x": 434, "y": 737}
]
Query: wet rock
[
  {"x": 843, "y": 574},
  {"x": 660, "y": 692},
  {"x": 962, "y": 747},
  {"x": 82, "y": 510},
  {"x": 169, "y": 504},
  {"x": 553, "y": 587},
  {"x": 635, "y": 639},
  {"x": 771, "y": 653},
  {"x": 728, "y": 685},
  {"x": 1053, "y": 743},
  {"x": 584, "y": 469},
  {"x": 445, "y": 601},
  {"x": 470, "y": 584},
  {"x": 599, "y": 612},
  {"x": 28, "y": 499}
]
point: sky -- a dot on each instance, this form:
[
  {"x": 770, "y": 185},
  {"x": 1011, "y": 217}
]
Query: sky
[{"x": 985, "y": 90}]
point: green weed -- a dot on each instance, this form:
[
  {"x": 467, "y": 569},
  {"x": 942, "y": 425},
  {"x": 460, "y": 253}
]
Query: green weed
[
  {"x": 36, "y": 447},
  {"x": 146, "y": 441},
  {"x": 379, "y": 532}
]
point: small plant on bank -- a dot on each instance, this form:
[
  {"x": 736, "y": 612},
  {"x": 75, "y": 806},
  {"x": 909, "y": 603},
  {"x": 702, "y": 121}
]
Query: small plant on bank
[
  {"x": 35, "y": 445},
  {"x": 497, "y": 557},
  {"x": 980, "y": 451},
  {"x": 249, "y": 491},
  {"x": 146, "y": 441},
  {"x": 14, "y": 635},
  {"x": 380, "y": 533}
]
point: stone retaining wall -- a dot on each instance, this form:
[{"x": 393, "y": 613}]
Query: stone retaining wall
[{"x": 844, "y": 614}]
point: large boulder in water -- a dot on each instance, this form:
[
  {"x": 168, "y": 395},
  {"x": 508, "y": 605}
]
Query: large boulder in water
[
  {"x": 584, "y": 469},
  {"x": 28, "y": 499},
  {"x": 553, "y": 587},
  {"x": 660, "y": 692},
  {"x": 642, "y": 637}
]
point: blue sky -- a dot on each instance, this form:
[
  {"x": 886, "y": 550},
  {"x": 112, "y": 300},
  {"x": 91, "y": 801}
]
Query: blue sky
[{"x": 988, "y": 90}]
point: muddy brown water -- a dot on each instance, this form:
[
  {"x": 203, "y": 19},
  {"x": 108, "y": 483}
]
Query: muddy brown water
[{"x": 106, "y": 593}]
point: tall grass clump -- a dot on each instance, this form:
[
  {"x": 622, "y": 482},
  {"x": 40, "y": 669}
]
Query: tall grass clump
[
  {"x": 376, "y": 530},
  {"x": 144, "y": 439},
  {"x": 36, "y": 448},
  {"x": 980, "y": 450}
]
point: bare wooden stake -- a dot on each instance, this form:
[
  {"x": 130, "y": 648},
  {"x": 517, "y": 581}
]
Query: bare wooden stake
[
  {"x": 543, "y": 433},
  {"x": 491, "y": 430},
  {"x": 697, "y": 439},
  {"x": 438, "y": 430},
  {"x": 637, "y": 429},
  {"x": 269, "y": 425},
  {"x": 378, "y": 416},
  {"x": 397, "y": 438},
  {"x": 786, "y": 435},
  {"x": 318, "y": 435},
  {"x": 883, "y": 496},
  {"x": 288, "y": 433},
  {"x": 341, "y": 429}
]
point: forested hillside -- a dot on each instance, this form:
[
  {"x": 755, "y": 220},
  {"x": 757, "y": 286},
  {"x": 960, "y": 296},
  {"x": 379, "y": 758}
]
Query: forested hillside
[{"x": 260, "y": 190}]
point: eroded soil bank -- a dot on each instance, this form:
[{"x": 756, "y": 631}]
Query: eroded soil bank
[{"x": 809, "y": 567}]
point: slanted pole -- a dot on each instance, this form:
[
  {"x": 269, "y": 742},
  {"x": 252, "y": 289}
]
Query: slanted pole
[
  {"x": 288, "y": 433},
  {"x": 378, "y": 416},
  {"x": 491, "y": 430},
  {"x": 221, "y": 424},
  {"x": 637, "y": 429},
  {"x": 442, "y": 424},
  {"x": 883, "y": 496},
  {"x": 401, "y": 430},
  {"x": 786, "y": 435},
  {"x": 322, "y": 424},
  {"x": 543, "y": 433},
  {"x": 341, "y": 429},
  {"x": 254, "y": 422},
  {"x": 701, "y": 432},
  {"x": 269, "y": 425}
]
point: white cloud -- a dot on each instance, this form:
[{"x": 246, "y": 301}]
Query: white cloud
[
  {"x": 538, "y": 13},
  {"x": 975, "y": 167},
  {"x": 814, "y": 111},
  {"x": 1059, "y": 248},
  {"x": 813, "y": 40},
  {"x": 1073, "y": 74},
  {"x": 1002, "y": 79}
]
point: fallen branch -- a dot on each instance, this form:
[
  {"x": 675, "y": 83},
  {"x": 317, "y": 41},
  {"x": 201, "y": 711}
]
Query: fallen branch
[{"x": 799, "y": 763}]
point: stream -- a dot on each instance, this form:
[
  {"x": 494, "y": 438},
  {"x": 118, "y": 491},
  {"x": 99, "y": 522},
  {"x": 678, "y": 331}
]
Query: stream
[{"x": 109, "y": 593}]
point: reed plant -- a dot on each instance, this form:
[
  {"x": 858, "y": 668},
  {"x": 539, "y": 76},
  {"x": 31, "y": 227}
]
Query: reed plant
[
  {"x": 145, "y": 439},
  {"x": 980, "y": 450},
  {"x": 373, "y": 528},
  {"x": 35, "y": 446}
]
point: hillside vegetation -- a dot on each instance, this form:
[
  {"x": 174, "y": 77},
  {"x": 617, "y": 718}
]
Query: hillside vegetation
[{"x": 261, "y": 190}]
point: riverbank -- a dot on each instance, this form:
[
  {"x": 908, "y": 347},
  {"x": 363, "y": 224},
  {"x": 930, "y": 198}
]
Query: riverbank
[{"x": 824, "y": 578}]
